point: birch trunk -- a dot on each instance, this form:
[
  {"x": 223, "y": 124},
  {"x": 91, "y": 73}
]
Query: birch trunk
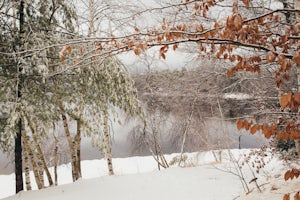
[
  {"x": 70, "y": 140},
  {"x": 42, "y": 162},
  {"x": 91, "y": 18},
  {"x": 297, "y": 6},
  {"x": 26, "y": 167},
  {"x": 39, "y": 166},
  {"x": 31, "y": 155},
  {"x": 107, "y": 143}
]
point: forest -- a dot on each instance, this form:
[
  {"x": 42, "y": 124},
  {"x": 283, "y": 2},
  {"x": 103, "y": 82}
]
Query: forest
[{"x": 176, "y": 77}]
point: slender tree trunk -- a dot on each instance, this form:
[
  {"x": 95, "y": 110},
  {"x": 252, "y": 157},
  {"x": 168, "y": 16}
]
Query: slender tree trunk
[
  {"x": 187, "y": 126},
  {"x": 55, "y": 158},
  {"x": 70, "y": 140},
  {"x": 297, "y": 6},
  {"x": 78, "y": 146},
  {"x": 107, "y": 142},
  {"x": 150, "y": 149},
  {"x": 39, "y": 165},
  {"x": 160, "y": 152},
  {"x": 26, "y": 168},
  {"x": 31, "y": 155},
  {"x": 18, "y": 139},
  {"x": 42, "y": 162},
  {"x": 91, "y": 18}
]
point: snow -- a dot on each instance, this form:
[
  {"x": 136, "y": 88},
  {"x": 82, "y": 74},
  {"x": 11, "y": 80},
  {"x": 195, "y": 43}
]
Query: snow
[
  {"x": 238, "y": 96},
  {"x": 204, "y": 175}
]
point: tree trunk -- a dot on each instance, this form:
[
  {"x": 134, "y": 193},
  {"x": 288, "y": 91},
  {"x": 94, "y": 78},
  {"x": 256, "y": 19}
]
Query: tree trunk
[
  {"x": 70, "y": 142},
  {"x": 78, "y": 146},
  {"x": 26, "y": 168},
  {"x": 150, "y": 149},
  {"x": 18, "y": 159},
  {"x": 107, "y": 142},
  {"x": 31, "y": 155},
  {"x": 186, "y": 129},
  {"x": 91, "y": 18},
  {"x": 159, "y": 151},
  {"x": 55, "y": 158},
  {"x": 39, "y": 165},
  {"x": 18, "y": 139},
  {"x": 297, "y": 6},
  {"x": 42, "y": 162}
]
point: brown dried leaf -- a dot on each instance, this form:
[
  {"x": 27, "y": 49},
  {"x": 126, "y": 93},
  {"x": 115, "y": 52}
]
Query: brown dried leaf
[
  {"x": 254, "y": 129},
  {"x": 296, "y": 58},
  {"x": 69, "y": 49},
  {"x": 130, "y": 44},
  {"x": 137, "y": 52},
  {"x": 286, "y": 197},
  {"x": 267, "y": 130},
  {"x": 239, "y": 124},
  {"x": 285, "y": 100},
  {"x": 246, "y": 2},
  {"x": 270, "y": 57},
  {"x": 297, "y": 97},
  {"x": 238, "y": 22},
  {"x": 246, "y": 125},
  {"x": 297, "y": 196},
  {"x": 287, "y": 175},
  {"x": 175, "y": 46},
  {"x": 296, "y": 172},
  {"x": 136, "y": 29}
]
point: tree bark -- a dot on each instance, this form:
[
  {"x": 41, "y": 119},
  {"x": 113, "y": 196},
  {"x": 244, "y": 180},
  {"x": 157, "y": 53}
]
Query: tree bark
[
  {"x": 107, "y": 143},
  {"x": 55, "y": 158},
  {"x": 70, "y": 141},
  {"x": 78, "y": 146},
  {"x": 26, "y": 168},
  {"x": 91, "y": 18},
  {"x": 42, "y": 162},
  {"x": 31, "y": 155},
  {"x": 18, "y": 139}
]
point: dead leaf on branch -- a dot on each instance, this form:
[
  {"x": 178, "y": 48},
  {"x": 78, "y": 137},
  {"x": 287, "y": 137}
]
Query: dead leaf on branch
[
  {"x": 270, "y": 57},
  {"x": 175, "y": 46},
  {"x": 238, "y": 22},
  {"x": 290, "y": 174},
  {"x": 137, "y": 52},
  {"x": 246, "y": 2},
  {"x": 239, "y": 124},
  {"x": 296, "y": 58},
  {"x": 287, "y": 175},
  {"x": 297, "y": 97},
  {"x": 69, "y": 49},
  {"x": 254, "y": 129},
  {"x": 286, "y": 197},
  {"x": 63, "y": 52},
  {"x": 297, "y": 196},
  {"x": 285, "y": 100}
]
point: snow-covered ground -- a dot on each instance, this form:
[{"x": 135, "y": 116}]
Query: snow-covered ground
[{"x": 205, "y": 175}]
